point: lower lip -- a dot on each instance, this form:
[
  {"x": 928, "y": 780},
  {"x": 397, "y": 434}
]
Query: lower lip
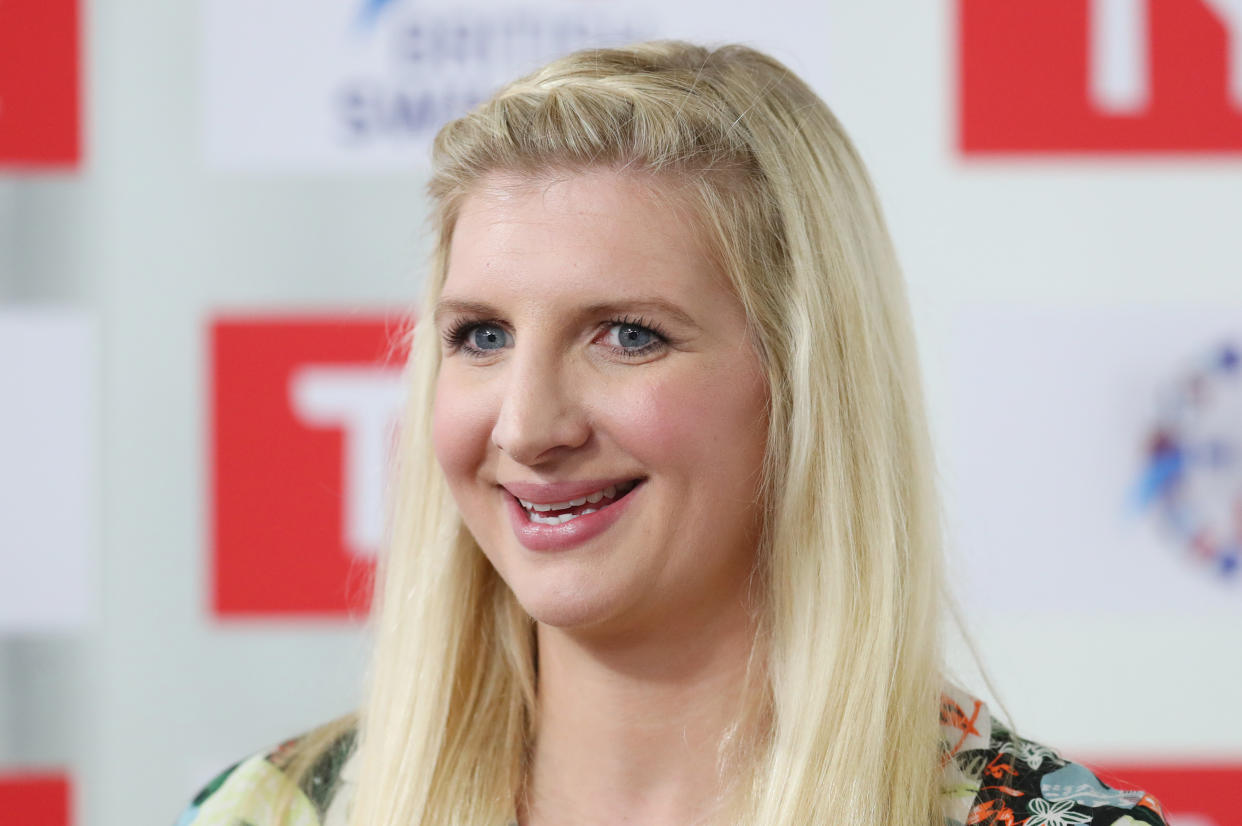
[{"x": 539, "y": 537}]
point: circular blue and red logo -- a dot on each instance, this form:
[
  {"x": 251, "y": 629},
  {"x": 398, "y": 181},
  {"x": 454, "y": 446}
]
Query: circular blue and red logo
[{"x": 1192, "y": 477}]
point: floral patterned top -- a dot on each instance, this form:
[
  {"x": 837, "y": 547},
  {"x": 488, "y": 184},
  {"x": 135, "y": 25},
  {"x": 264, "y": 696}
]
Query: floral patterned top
[{"x": 991, "y": 777}]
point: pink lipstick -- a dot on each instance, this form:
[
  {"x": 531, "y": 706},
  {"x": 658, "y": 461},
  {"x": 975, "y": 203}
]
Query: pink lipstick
[{"x": 589, "y": 519}]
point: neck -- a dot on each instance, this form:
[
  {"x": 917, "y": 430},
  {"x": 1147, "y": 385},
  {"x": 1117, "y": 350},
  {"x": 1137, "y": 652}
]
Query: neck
[{"x": 630, "y": 727}]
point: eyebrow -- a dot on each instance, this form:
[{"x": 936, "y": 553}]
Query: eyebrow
[{"x": 449, "y": 306}]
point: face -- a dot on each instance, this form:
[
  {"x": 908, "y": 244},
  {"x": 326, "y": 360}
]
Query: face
[{"x": 600, "y": 410}]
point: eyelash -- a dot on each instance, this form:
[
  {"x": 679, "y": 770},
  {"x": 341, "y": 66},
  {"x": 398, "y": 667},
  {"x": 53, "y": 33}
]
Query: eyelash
[{"x": 456, "y": 336}]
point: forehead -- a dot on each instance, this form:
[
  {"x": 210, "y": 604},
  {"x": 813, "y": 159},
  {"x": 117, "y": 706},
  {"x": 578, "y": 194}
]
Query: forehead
[{"x": 598, "y": 232}]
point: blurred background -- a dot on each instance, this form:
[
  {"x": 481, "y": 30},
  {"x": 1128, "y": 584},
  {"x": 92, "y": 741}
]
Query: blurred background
[{"x": 212, "y": 222}]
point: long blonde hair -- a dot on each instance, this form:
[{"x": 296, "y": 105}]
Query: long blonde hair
[{"x": 851, "y": 574}]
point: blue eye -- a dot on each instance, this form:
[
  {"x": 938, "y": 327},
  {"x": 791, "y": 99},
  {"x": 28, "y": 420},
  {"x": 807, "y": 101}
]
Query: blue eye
[
  {"x": 488, "y": 337},
  {"x": 633, "y": 337}
]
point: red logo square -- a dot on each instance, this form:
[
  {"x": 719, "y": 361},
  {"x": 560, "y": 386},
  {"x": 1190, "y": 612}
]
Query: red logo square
[
  {"x": 303, "y": 412},
  {"x": 39, "y": 83},
  {"x": 30, "y": 799},
  {"x": 1100, "y": 76}
]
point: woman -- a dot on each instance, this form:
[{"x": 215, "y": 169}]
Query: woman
[{"x": 664, "y": 547}]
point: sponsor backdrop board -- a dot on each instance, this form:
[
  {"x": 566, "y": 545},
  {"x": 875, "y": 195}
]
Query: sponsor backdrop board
[{"x": 1057, "y": 154}]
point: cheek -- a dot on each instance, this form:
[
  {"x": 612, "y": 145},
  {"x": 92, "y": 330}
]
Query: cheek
[
  {"x": 461, "y": 427},
  {"x": 696, "y": 421}
]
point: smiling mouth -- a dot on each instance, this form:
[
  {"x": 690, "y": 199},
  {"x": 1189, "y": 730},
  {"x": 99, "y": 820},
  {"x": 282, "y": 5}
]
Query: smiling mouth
[{"x": 558, "y": 513}]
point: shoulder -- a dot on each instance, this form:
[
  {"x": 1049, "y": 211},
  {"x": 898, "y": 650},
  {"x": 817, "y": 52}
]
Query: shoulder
[
  {"x": 993, "y": 776},
  {"x": 265, "y": 790}
]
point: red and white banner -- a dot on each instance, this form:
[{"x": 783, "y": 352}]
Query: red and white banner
[
  {"x": 29, "y": 799},
  {"x": 48, "y": 420},
  {"x": 1100, "y": 76},
  {"x": 39, "y": 84},
  {"x": 304, "y": 411},
  {"x": 1204, "y": 794}
]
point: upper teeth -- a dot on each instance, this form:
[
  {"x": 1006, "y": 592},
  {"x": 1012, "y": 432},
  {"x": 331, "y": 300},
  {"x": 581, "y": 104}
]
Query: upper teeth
[{"x": 611, "y": 492}]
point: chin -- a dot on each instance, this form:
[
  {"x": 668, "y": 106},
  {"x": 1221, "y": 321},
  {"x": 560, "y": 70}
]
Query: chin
[{"x": 568, "y": 607}]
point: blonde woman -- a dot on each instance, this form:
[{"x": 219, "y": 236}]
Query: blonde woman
[{"x": 664, "y": 547}]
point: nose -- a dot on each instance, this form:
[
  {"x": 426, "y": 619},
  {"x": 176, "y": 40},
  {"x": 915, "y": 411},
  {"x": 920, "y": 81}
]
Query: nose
[{"x": 540, "y": 414}]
